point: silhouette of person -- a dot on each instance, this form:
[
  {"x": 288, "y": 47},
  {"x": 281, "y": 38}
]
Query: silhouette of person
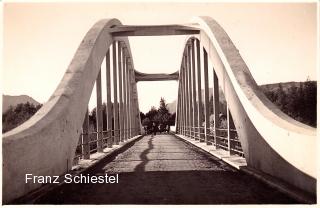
[{"x": 155, "y": 128}]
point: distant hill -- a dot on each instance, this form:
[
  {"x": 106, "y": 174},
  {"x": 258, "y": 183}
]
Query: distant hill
[
  {"x": 265, "y": 88},
  {"x": 285, "y": 86},
  {"x": 8, "y": 100}
]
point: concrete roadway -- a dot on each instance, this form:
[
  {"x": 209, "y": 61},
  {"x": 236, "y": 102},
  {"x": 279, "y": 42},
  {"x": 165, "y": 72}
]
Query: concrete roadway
[{"x": 165, "y": 170}]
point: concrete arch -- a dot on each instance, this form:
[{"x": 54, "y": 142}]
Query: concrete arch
[
  {"x": 272, "y": 141},
  {"x": 45, "y": 144}
]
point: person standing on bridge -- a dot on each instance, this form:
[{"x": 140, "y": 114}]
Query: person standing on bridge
[{"x": 155, "y": 128}]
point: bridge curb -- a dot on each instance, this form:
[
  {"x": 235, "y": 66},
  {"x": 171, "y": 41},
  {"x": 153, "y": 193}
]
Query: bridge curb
[
  {"x": 34, "y": 195},
  {"x": 281, "y": 186}
]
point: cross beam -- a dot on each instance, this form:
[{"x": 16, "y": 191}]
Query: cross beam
[
  {"x": 153, "y": 30},
  {"x": 156, "y": 77}
]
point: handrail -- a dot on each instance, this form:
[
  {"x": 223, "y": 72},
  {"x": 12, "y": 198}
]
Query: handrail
[
  {"x": 272, "y": 141},
  {"x": 46, "y": 143}
]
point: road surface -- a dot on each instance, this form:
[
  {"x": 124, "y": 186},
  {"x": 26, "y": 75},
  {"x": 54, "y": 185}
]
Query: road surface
[{"x": 163, "y": 169}]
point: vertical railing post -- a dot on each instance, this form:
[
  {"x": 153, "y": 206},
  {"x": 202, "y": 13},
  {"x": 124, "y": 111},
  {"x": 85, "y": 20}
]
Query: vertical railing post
[
  {"x": 120, "y": 91},
  {"x": 206, "y": 94},
  {"x": 216, "y": 108},
  {"x": 99, "y": 114},
  {"x": 85, "y": 137},
  {"x": 194, "y": 101},
  {"x": 108, "y": 104},
  {"x": 115, "y": 95},
  {"x": 200, "y": 107}
]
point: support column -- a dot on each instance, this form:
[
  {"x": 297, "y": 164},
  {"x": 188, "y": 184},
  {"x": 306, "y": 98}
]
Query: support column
[
  {"x": 120, "y": 92},
  {"x": 183, "y": 99},
  {"x": 215, "y": 102},
  {"x": 99, "y": 114},
  {"x": 186, "y": 99},
  {"x": 85, "y": 137},
  {"x": 128, "y": 100},
  {"x": 136, "y": 116},
  {"x": 125, "y": 105},
  {"x": 137, "y": 110},
  {"x": 190, "y": 90},
  {"x": 108, "y": 104},
  {"x": 206, "y": 95},
  {"x": 186, "y": 91},
  {"x": 132, "y": 104},
  {"x": 194, "y": 101},
  {"x": 199, "y": 93},
  {"x": 115, "y": 96},
  {"x": 178, "y": 113}
]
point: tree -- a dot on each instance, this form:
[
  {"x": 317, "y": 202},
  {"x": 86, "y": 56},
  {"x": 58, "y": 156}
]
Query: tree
[
  {"x": 147, "y": 122},
  {"x": 160, "y": 116},
  {"x": 152, "y": 113},
  {"x": 281, "y": 99},
  {"x": 162, "y": 110},
  {"x": 310, "y": 103},
  {"x": 300, "y": 103},
  {"x": 142, "y": 116},
  {"x": 163, "y": 115},
  {"x": 17, "y": 115},
  {"x": 172, "y": 119}
]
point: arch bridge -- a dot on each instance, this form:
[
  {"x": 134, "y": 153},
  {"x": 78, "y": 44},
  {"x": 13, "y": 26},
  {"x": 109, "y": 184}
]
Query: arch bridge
[{"x": 270, "y": 141}]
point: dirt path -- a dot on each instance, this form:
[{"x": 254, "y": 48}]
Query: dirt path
[{"x": 165, "y": 170}]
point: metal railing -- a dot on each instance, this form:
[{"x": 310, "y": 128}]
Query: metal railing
[
  {"x": 93, "y": 142},
  {"x": 220, "y": 140}
]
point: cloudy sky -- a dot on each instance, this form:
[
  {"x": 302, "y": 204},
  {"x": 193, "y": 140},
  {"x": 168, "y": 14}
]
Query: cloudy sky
[{"x": 276, "y": 40}]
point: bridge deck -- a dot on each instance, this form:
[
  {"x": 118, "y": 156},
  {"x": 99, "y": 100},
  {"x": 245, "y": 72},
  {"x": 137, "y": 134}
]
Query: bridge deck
[{"x": 165, "y": 170}]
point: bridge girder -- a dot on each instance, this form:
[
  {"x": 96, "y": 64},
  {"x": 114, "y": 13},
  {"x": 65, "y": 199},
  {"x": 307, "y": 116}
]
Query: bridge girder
[
  {"x": 153, "y": 30},
  {"x": 139, "y": 76}
]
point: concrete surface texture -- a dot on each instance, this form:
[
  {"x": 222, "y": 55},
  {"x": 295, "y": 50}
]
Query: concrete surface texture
[
  {"x": 163, "y": 169},
  {"x": 45, "y": 144},
  {"x": 272, "y": 141}
]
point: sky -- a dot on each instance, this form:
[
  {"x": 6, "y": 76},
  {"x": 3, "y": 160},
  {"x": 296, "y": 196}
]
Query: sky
[{"x": 276, "y": 40}]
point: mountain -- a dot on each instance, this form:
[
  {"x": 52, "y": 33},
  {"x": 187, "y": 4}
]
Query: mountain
[
  {"x": 8, "y": 100},
  {"x": 265, "y": 88}
]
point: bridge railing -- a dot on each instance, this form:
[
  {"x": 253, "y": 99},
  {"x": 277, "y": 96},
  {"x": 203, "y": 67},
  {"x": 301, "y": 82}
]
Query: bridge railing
[
  {"x": 46, "y": 144},
  {"x": 255, "y": 128},
  {"x": 84, "y": 150},
  {"x": 229, "y": 143}
]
